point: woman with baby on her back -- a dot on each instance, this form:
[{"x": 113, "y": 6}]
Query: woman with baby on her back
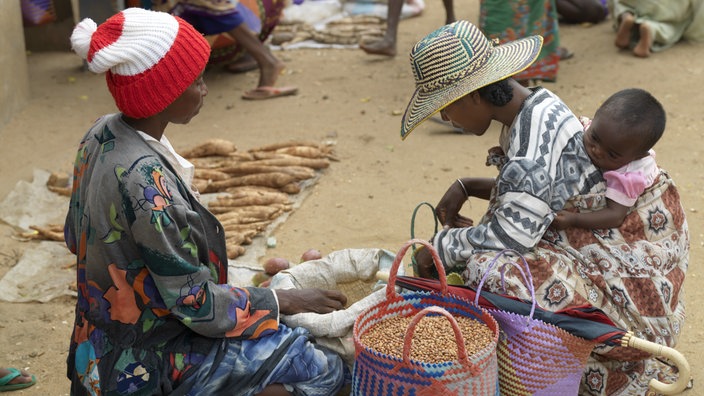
[{"x": 633, "y": 269}]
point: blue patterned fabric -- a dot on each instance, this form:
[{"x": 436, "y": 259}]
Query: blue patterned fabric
[{"x": 286, "y": 357}]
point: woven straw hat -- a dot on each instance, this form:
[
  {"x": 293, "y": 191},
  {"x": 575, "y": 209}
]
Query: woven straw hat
[{"x": 457, "y": 59}]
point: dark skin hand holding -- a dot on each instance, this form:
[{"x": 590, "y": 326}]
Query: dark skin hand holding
[
  {"x": 448, "y": 213},
  {"x": 294, "y": 301}
]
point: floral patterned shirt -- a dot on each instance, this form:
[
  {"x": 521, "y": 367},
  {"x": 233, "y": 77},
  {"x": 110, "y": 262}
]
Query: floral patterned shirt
[{"x": 153, "y": 297}]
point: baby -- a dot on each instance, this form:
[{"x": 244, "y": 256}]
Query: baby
[{"x": 619, "y": 141}]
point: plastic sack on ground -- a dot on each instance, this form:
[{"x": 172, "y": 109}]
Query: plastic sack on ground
[
  {"x": 41, "y": 274},
  {"x": 353, "y": 272}
]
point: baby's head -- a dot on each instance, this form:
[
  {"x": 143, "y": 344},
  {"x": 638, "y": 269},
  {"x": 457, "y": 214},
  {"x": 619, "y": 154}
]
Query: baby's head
[{"x": 624, "y": 128}]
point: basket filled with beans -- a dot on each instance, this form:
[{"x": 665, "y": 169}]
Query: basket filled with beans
[{"x": 424, "y": 343}]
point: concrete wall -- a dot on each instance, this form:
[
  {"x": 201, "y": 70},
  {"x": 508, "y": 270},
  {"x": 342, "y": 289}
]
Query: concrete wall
[
  {"x": 16, "y": 40},
  {"x": 14, "y": 79}
]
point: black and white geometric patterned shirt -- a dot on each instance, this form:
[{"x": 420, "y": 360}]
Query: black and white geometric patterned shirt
[{"x": 545, "y": 165}]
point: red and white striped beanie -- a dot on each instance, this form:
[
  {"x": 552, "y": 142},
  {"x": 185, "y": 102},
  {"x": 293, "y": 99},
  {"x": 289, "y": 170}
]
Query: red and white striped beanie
[{"x": 149, "y": 57}]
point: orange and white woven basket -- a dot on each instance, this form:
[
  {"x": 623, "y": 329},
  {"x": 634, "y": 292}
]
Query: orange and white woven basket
[{"x": 380, "y": 374}]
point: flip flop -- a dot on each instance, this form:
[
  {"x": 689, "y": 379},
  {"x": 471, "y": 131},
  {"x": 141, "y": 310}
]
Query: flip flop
[
  {"x": 5, "y": 384},
  {"x": 261, "y": 93}
]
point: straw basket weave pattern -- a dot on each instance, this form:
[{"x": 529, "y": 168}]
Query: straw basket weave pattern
[
  {"x": 457, "y": 59},
  {"x": 535, "y": 357},
  {"x": 378, "y": 374}
]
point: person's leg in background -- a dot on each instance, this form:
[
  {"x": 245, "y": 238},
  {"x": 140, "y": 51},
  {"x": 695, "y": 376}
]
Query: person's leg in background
[
  {"x": 270, "y": 67},
  {"x": 387, "y": 44}
]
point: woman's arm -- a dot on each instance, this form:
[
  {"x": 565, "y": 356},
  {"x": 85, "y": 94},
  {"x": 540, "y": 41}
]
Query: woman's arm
[{"x": 447, "y": 210}]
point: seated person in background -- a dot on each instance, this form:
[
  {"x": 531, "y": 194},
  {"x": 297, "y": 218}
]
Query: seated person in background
[
  {"x": 581, "y": 11},
  {"x": 634, "y": 273},
  {"x": 155, "y": 313},
  {"x": 620, "y": 142},
  {"x": 248, "y": 23},
  {"x": 647, "y": 26}
]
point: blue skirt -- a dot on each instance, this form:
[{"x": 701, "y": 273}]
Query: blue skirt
[{"x": 288, "y": 357}]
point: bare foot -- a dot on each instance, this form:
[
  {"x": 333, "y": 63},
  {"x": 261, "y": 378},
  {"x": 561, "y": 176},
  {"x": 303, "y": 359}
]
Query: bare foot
[
  {"x": 642, "y": 49},
  {"x": 241, "y": 65},
  {"x": 270, "y": 71},
  {"x": 623, "y": 34},
  {"x": 380, "y": 47}
]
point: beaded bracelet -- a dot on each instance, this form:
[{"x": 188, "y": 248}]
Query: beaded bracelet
[{"x": 463, "y": 188}]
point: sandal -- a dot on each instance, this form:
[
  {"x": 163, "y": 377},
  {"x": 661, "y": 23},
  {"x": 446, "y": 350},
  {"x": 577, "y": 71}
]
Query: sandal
[{"x": 5, "y": 384}]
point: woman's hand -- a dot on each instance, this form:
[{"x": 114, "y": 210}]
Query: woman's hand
[
  {"x": 448, "y": 209},
  {"x": 293, "y": 301},
  {"x": 424, "y": 263}
]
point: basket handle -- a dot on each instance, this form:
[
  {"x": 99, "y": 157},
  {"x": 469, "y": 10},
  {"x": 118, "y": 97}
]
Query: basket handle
[
  {"x": 413, "y": 226},
  {"x": 630, "y": 340},
  {"x": 527, "y": 277},
  {"x": 391, "y": 285},
  {"x": 459, "y": 340}
]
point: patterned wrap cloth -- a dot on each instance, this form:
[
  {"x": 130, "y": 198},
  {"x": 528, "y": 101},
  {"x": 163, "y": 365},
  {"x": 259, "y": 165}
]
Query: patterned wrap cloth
[
  {"x": 510, "y": 20},
  {"x": 633, "y": 273}
]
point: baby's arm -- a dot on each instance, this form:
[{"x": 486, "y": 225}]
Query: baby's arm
[{"x": 610, "y": 217}]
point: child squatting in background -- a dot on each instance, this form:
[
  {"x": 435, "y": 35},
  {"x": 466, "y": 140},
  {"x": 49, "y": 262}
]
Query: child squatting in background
[{"x": 619, "y": 141}]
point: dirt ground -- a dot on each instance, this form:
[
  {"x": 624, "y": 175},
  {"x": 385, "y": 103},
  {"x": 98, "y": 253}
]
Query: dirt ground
[{"x": 365, "y": 199}]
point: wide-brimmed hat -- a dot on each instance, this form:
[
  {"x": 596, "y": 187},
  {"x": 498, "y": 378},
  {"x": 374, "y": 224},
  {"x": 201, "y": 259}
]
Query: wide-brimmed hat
[{"x": 457, "y": 59}]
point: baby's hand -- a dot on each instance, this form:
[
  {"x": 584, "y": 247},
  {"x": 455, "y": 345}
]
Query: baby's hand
[
  {"x": 496, "y": 156},
  {"x": 562, "y": 220}
]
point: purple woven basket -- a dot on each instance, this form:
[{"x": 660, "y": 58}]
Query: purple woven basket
[{"x": 535, "y": 357}]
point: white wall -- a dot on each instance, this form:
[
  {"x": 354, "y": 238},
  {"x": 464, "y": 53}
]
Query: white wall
[{"x": 14, "y": 78}]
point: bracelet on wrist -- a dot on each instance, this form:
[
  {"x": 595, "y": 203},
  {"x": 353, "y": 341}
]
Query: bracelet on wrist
[{"x": 466, "y": 194}]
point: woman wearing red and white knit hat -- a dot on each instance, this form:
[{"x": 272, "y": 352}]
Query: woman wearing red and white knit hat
[{"x": 155, "y": 313}]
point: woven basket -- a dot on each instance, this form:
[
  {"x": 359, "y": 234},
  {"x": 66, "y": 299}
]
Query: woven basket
[
  {"x": 535, "y": 357},
  {"x": 376, "y": 373}
]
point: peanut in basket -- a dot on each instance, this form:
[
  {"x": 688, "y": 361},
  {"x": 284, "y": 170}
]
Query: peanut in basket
[{"x": 433, "y": 339}]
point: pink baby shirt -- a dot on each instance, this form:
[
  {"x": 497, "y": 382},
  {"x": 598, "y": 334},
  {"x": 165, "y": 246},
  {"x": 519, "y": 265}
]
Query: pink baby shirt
[{"x": 625, "y": 184}]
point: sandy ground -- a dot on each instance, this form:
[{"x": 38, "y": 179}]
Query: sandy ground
[{"x": 365, "y": 199}]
